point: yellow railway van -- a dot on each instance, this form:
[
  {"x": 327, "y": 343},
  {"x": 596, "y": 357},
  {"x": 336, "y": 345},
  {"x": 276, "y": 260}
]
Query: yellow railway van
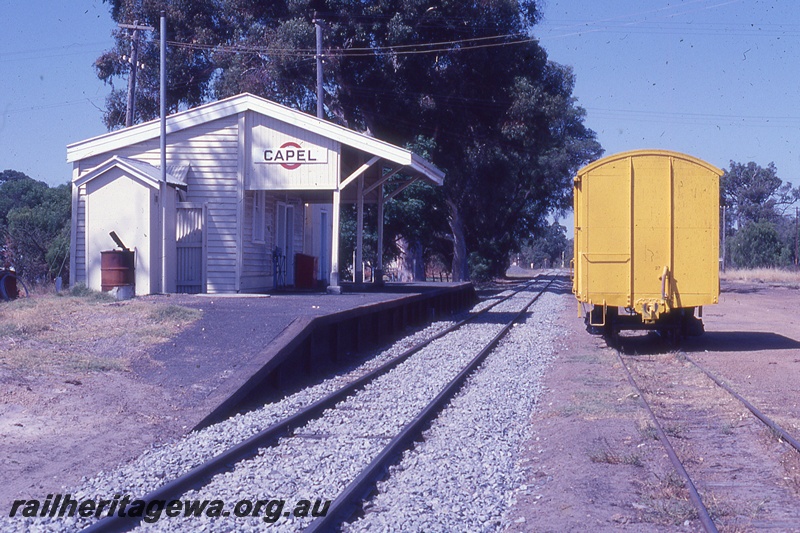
[{"x": 646, "y": 242}]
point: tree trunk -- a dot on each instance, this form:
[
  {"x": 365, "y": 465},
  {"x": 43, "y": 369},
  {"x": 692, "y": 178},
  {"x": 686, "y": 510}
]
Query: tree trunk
[
  {"x": 460, "y": 265},
  {"x": 412, "y": 263}
]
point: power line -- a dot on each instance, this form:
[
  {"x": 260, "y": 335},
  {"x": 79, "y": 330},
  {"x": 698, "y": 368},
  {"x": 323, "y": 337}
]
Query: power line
[
  {"x": 11, "y": 111},
  {"x": 664, "y": 117},
  {"x": 399, "y": 50},
  {"x": 43, "y": 53},
  {"x": 705, "y": 30},
  {"x": 699, "y": 115},
  {"x": 636, "y": 23}
]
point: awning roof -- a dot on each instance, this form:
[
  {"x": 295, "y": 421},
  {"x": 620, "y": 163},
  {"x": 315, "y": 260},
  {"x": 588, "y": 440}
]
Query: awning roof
[
  {"x": 413, "y": 164},
  {"x": 147, "y": 173}
]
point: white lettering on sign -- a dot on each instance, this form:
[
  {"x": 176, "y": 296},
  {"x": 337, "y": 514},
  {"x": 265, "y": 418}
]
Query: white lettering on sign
[{"x": 291, "y": 155}]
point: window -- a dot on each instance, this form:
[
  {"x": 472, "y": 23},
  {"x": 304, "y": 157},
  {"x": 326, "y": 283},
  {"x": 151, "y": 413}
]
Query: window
[{"x": 259, "y": 217}]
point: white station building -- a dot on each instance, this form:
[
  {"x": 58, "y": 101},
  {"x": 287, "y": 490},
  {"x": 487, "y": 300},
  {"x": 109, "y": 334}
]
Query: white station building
[{"x": 252, "y": 188}]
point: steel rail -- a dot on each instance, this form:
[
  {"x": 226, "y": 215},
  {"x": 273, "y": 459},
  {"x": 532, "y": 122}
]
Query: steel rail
[
  {"x": 248, "y": 448},
  {"x": 703, "y": 514},
  {"x": 342, "y": 507},
  {"x": 753, "y": 409}
]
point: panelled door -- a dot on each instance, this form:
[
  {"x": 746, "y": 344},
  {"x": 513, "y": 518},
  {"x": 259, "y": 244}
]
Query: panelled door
[{"x": 190, "y": 237}]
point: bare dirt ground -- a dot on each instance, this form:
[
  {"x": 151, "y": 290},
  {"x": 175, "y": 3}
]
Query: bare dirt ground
[
  {"x": 595, "y": 464},
  {"x": 69, "y": 403}
]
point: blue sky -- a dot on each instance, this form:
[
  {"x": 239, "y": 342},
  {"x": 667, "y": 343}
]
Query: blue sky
[
  {"x": 49, "y": 93},
  {"x": 717, "y": 79}
]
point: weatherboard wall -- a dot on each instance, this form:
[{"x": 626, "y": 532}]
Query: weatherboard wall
[
  {"x": 225, "y": 152},
  {"x": 217, "y": 166},
  {"x": 257, "y": 255},
  {"x": 211, "y": 149},
  {"x": 78, "y": 256}
]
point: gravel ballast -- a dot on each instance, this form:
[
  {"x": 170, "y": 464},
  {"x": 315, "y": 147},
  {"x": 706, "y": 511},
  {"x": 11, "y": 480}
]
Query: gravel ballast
[
  {"x": 465, "y": 473},
  {"x": 462, "y": 476}
]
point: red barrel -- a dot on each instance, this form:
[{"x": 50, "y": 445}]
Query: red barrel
[{"x": 116, "y": 269}]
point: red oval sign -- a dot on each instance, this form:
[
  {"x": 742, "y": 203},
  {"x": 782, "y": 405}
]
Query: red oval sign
[{"x": 290, "y": 166}]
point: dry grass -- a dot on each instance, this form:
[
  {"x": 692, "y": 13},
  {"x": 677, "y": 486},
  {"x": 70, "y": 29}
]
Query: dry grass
[
  {"x": 607, "y": 453},
  {"x": 791, "y": 465},
  {"x": 763, "y": 275},
  {"x": 590, "y": 405},
  {"x": 613, "y": 458},
  {"x": 83, "y": 331},
  {"x": 648, "y": 430},
  {"x": 669, "y": 498}
]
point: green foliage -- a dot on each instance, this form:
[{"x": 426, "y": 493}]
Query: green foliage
[
  {"x": 19, "y": 191},
  {"x": 347, "y": 238},
  {"x": 753, "y": 193},
  {"x": 547, "y": 247},
  {"x": 505, "y": 185},
  {"x": 189, "y": 68},
  {"x": 419, "y": 216},
  {"x": 759, "y": 233},
  {"x": 82, "y": 291},
  {"x": 757, "y": 245},
  {"x": 500, "y": 120},
  {"x": 35, "y": 225},
  {"x": 416, "y": 216},
  {"x": 480, "y": 268}
]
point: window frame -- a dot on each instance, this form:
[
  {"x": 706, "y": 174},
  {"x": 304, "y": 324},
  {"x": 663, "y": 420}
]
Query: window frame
[{"x": 259, "y": 217}]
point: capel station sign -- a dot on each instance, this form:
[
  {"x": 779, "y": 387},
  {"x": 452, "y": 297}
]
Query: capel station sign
[
  {"x": 291, "y": 155},
  {"x": 283, "y": 162}
]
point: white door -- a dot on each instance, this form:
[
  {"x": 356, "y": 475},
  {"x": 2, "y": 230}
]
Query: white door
[
  {"x": 284, "y": 237},
  {"x": 324, "y": 247}
]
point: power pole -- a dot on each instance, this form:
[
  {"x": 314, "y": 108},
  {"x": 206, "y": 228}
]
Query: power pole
[
  {"x": 724, "y": 232},
  {"x": 130, "y": 110},
  {"x": 162, "y": 105},
  {"x": 796, "y": 236},
  {"x": 320, "y": 93}
]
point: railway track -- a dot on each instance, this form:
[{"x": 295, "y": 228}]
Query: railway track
[
  {"x": 373, "y": 418},
  {"x": 694, "y": 415}
]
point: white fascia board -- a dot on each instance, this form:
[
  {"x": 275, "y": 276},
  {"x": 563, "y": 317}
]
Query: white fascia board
[
  {"x": 244, "y": 102},
  {"x": 427, "y": 169},
  {"x": 114, "y": 140}
]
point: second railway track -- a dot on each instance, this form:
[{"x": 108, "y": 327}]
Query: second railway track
[
  {"x": 316, "y": 460},
  {"x": 726, "y": 451}
]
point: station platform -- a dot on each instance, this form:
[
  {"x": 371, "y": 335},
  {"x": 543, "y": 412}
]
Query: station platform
[{"x": 245, "y": 343}]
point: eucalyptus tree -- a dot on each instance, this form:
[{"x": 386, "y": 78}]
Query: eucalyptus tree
[
  {"x": 759, "y": 206},
  {"x": 193, "y": 29},
  {"x": 34, "y": 226},
  {"x": 464, "y": 81},
  {"x": 754, "y": 193}
]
